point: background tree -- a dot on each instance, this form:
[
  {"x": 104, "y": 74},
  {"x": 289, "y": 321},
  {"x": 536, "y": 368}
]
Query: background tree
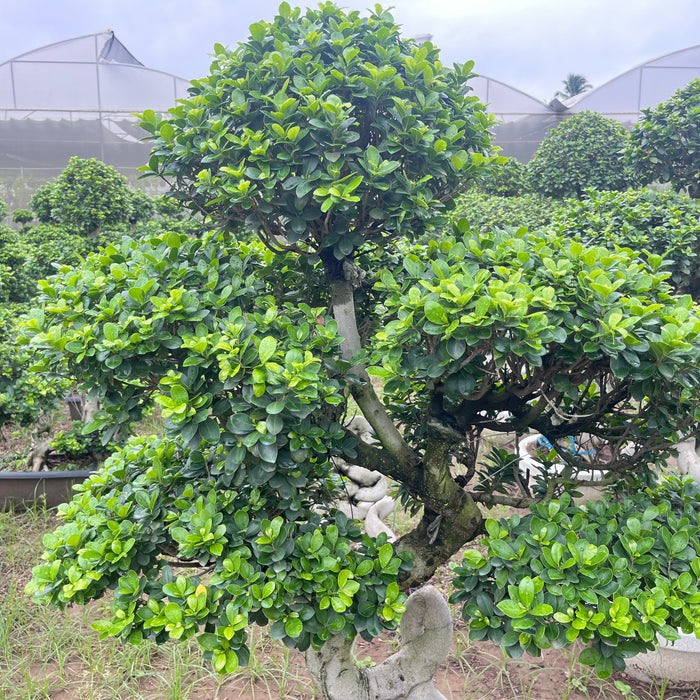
[
  {"x": 506, "y": 179},
  {"x": 665, "y": 144},
  {"x": 22, "y": 216},
  {"x": 36, "y": 252},
  {"x": 574, "y": 84},
  {"x": 585, "y": 150},
  {"x": 85, "y": 197},
  {"x": 336, "y": 142}
]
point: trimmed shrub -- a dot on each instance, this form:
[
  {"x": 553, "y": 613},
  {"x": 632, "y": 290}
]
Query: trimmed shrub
[
  {"x": 665, "y": 145},
  {"x": 506, "y": 180},
  {"x": 664, "y": 224},
  {"x": 584, "y": 151},
  {"x": 487, "y": 212}
]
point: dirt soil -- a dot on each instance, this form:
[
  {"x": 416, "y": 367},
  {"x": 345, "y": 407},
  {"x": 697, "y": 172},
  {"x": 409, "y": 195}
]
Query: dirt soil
[{"x": 477, "y": 672}]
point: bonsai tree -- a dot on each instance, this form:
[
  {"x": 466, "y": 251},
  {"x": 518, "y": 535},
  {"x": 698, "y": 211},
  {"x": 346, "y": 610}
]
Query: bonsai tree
[
  {"x": 585, "y": 150},
  {"x": 86, "y": 196},
  {"x": 336, "y": 142},
  {"x": 665, "y": 144},
  {"x": 27, "y": 398},
  {"x": 22, "y": 216}
]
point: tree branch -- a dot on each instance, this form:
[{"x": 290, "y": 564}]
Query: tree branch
[{"x": 343, "y": 307}]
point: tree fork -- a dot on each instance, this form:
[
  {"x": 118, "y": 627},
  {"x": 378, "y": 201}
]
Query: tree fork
[{"x": 431, "y": 543}]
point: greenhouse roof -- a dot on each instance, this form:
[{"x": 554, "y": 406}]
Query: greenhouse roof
[
  {"x": 77, "y": 97},
  {"x": 643, "y": 86}
]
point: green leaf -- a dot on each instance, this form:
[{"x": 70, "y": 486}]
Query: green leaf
[
  {"x": 208, "y": 641},
  {"x": 526, "y": 589},
  {"x": 589, "y": 656},
  {"x": 511, "y": 608},
  {"x": 456, "y": 348},
  {"x": 179, "y": 393},
  {"x": 364, "y": 567},
  {"x": 258, "y": 31},
  {"x": 386, "y": 552},
  {"x": 267, "y": 452},
  {"x": 111, "y": 331},
  {"x": 679, "y": 542},
  {"x": 502, "y": 549},
  {"x": 209, "y": 430},
  {"x": 542, "y": 610},
  {"x": 293, "y": 627},
  {"x": 435, "y": 313},
  {"x": 267, "y": 348}
]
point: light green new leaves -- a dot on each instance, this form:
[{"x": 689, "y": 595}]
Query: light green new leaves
[{"x": 267, "y": 348}]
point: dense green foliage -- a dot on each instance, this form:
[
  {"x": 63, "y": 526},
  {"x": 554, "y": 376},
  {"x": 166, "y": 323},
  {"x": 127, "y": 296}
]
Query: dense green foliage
[
  {"x": 486, "y": 212},
  {"x": 507, "y": 179},
  {"x": 87, "y": 196},
  {"x": 24, "y": 394},
  {"x": 611, "y": 574},
  {"x": 337, "y": 142},
  {"x": 250, "y": 388},
  {"x": 665, "y": 144},
  {"x": 585, "y": 150},
  {"x": 247, "y": 390},
  {"x": 35, "y": 253},
  {"x": 324, "y": 130},
  {"x": 75, "y": 442},
  {"x": 661, "y": 223},
  {"x": 22, "y": 216},
  {"x": 566, "y": 338}
]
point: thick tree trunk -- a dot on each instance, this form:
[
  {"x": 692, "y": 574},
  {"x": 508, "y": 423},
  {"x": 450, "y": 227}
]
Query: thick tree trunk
[
  {"x": 426, "y": 637},
  {"x": 90, "y": 408},
  {"x": 451, "y": 517}
]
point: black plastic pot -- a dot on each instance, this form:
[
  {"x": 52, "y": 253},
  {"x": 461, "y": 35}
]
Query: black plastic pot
[
  {"x": 23, "y": 489},
  {"x": 75, "y": 406}
]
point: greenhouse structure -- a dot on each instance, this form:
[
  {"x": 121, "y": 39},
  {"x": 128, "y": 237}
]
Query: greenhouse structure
[
  {"x": 78, "y": 98},
  {"x": 524, "y": 120}
]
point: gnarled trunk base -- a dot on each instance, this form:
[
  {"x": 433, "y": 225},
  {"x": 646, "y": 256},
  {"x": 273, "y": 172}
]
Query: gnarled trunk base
[{"x": 426, "y": 637}]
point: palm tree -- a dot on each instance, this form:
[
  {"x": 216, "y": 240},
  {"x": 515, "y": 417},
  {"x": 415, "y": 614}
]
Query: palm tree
[{"x": 574, "y": 84}]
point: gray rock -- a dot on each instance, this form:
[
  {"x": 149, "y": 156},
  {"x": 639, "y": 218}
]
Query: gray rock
[{"x": 426, "y": 636}]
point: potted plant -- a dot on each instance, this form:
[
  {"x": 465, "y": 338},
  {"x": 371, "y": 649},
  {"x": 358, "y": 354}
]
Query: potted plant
[{"x": 28, "y": 400}]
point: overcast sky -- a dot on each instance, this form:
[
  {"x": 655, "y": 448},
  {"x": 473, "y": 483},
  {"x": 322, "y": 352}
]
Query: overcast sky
[{"x": 530, "y": 44}]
